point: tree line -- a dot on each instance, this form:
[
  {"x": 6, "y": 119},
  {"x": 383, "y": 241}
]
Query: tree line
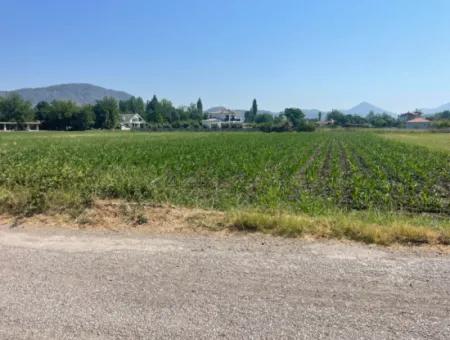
[
  {"x": 378, "y": 120},
  {"x": 104, "y": 114}
]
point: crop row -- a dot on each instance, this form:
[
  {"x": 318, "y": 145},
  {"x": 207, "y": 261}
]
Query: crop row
[{"x": 305, "y": 172}]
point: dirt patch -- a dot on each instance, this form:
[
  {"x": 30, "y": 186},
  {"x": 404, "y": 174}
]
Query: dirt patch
[{"x": 124, "y": 216}]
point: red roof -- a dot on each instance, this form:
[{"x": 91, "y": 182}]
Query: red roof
[{"x": 419, "y": 120}]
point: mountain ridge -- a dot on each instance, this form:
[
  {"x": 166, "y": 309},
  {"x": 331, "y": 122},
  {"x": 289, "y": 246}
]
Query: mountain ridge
[{"x": 80, "y": 93}]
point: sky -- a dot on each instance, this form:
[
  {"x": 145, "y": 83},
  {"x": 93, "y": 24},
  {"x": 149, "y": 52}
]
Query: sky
[{"x": 320, "y": 54}]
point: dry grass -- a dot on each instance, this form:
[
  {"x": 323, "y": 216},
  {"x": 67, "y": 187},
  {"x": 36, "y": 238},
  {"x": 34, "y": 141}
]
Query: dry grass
[
  {"x": 124, "y": 216},
  {"x": 400, "y": 230},
  {"x": 376, "y": 228}
]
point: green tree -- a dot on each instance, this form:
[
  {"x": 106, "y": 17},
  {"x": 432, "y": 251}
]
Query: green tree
[
  {"x": 132, "y": 105},
  {"x": 106, "y": 113},
  {"x": 263, "y": 118},
  {"x": 153, "y": 112},
  {"x": 84, "y": 118},
  {"x": 200, "y": 107},
  {"x": 249, "y": 116},
  {"x": 295, "y": 116},
  {"x": 60, "y": 115},
  {"x": 320, "y": 116},
  {"x": 14, "y": 109},
  {"x": 42, "y": 110},
  {"x": 254, "y": 109}
]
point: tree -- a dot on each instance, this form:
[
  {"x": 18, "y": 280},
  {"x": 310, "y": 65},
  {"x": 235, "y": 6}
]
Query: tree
[
  {"x": 250, "y": 115},
  {"x": 263, "y": 118},
  {"x": 152, "y": 111},
  {"x": 167, "y": 111},
  {"x": 106, "y": 113},
  {"x": 320, "y": 116},
  {"x": 254, "y": 109},
  {"x": 200, "y": 107},
  {"x": 14, "y": 109},
  {"x": 60, "y": 114},
  {"x": 337, "y": 116},
  {"x": 84, "y": 118},
  {"x": 132, "y": 105},
  {"x": 42, "y": 110},
  {"x": 295, "y": 116}
]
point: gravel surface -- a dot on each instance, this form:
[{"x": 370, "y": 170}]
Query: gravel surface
[{"x": 57, "y": 284}]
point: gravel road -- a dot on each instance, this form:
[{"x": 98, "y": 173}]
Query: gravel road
[{"x": 91, "y": 285}]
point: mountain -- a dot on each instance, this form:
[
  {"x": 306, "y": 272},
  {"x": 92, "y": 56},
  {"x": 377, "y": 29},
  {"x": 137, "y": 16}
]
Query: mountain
[
  {"x": 78, "y": 93},
  {"x": 364, "y": 108},
  {"x": 441, "y": 108},
  {"x": 313, "y": 113}
]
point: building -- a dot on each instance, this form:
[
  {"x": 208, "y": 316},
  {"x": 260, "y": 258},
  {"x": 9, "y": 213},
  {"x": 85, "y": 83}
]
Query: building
[
  {"x": 405, "y": 117},
  {"x": 323, "y": 123},
  {"x": 222, "y": 118},
  {"x": 13, "y": 126},
  {"x": 418, "y": 123},
  {"x": 132, "y": 121}
]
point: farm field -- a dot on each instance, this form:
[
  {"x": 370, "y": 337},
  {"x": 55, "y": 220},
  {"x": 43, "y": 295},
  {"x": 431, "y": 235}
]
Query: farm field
[
  {"x": 309, "y": 174},
  {"x": 434, "y": 141}
]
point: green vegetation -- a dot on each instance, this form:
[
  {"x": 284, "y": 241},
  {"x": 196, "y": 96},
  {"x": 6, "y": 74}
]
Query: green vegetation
[
  {"x": 370, "y": 227},
  {"x": 372, "y": 120},
  {"x": 434, "y": 141},
  {"x": 319, "y": 175}
]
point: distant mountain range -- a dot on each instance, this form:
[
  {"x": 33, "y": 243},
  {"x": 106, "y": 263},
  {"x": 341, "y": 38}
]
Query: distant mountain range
[
  {"x": 78, "y": 93},
  {"x": 88, "y": 94},
  {"x": 364, "y": 108},
  {"x": 445, "y": 107}
]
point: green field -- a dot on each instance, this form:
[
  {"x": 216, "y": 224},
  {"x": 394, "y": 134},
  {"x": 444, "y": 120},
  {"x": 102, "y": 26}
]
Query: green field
[
  {"x": 317, "y": 174},
  {"x": 434, "y": 141}
]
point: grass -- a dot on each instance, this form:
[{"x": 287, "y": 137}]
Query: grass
[
  {"x": 433, "y": 141},
  {"x": 332, "y": 184},
  {"x": 368, "y": 227}
]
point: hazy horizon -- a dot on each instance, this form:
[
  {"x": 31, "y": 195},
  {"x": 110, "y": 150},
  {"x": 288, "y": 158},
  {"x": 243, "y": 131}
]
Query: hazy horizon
[{"x": 321, "y": 55}]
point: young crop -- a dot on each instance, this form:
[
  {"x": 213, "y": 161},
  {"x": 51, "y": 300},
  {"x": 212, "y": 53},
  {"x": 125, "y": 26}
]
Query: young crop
[{"x": 308, "y": 172}]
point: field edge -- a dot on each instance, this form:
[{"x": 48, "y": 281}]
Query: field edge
[{"x": 374, "y": 227}]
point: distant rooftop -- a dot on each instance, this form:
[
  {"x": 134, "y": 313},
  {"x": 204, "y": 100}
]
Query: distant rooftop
[{"x": 419, "y": 120}]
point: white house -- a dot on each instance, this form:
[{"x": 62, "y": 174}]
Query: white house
[
  {"x": 222, "y": 117},
  {"x": 129, "y": 121},
  {"x": 418, "y": 123}
]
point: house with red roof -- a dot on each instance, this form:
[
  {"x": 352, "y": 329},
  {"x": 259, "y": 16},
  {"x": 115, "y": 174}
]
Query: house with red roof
[
  {"x": 418, "y": 123},
  {"x": 405, "y": 117}
]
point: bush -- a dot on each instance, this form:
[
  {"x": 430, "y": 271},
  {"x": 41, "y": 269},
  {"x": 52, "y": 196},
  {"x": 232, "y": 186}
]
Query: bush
[{"x": 306, "y": 126}]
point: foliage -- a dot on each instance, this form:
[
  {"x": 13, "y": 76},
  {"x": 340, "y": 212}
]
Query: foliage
[
  {"x": 106, "y": 113},
  {"x": 14, "y": 109},
  {"x": 309, "y": 173},
  {"x": 442, "y": 115},
  {"x": 381, "y": 120},
  {"x": 251, "y": 114},
  {"x": 200, "y": 107},
  {"x": 132, "y": 105},
  {"x": 263, "y": 118},
  {"x": 373, "y": 119}
]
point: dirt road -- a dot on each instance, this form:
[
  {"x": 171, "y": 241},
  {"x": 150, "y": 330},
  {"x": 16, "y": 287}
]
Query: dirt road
[{"x": 74, "y": 284}]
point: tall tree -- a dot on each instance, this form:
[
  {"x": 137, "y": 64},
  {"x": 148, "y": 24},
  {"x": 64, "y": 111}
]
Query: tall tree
[
  {"x": 254, "y": 109},
  {"x": 200, "y": 107},
  {"x": 153, "y": 112},
  {"x": 320, "y": 116},
  {"x": 132, "y": 105},
  {"x": 83, "y": 118},
  {"x": 60, "y": 115},
  {"x": 106, "y": 113},
  {"x": 251, "y": 114}
]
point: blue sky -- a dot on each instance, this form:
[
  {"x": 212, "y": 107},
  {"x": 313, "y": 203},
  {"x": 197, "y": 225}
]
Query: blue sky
[{"x": 311, "y": 54}]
